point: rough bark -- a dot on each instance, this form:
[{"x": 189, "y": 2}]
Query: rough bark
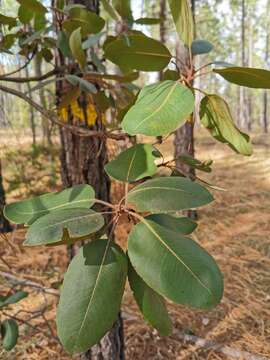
[
  {"x": 4, "y": 224},
  {"x": 82, "y": 161}
]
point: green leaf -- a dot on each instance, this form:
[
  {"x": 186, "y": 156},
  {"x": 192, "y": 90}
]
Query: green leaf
[
  {"x": 9, "y": 333},
  {"x": 160, "y": 109},
  {"x": 83, "y": 84},
  {"x": 110, "y": 10},
  {"x": 28, "y": 211},
  {"x": 139, "y": 52},
  {"x": 13, "y": 298},
  {"x": 216, "y": 117},
  {"x": 148, "y": 21},
  {"x": 92, "y": 40},
  {"x": 183, "y": 20},
  {"x": 25, "y": 14},
  {"x": 7, "y": 20},
  {"x": 150, "y": 303},
  {"x": 39, "y": 21},
  {"x": 133, "y": 164},
  {"x": 168, "y": 194},
  {"x": 170, "y": 75},
  {"x": 123, "y": 7},
  {"x": 199, "y": 47},
  {"x": 63, "y": 44},
  {"x": 174, "y": 266},
  {"x": 183, "y": 225},
  {"x": 89, "y": 22},
  {"x": 195, "y": 163},
  {"x": 75, "y": 44},
  {"x": 60, "y": 225},
  {"x": 33, "y": 5},
  {"x": 245, "y": 76},
  {"x": 91, "y": 295}
]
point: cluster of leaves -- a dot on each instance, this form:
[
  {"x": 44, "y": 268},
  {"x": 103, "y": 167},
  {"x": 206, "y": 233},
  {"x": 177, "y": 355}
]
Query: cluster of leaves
[
  {"x": 9, "y": 327},
  {"x": 161, "y": 261}
]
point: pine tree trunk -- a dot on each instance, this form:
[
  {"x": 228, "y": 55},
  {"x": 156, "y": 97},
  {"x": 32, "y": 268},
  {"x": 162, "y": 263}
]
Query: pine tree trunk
[
  {"x": 82, "y": 161},
  {"x": 4, "y": 224}
]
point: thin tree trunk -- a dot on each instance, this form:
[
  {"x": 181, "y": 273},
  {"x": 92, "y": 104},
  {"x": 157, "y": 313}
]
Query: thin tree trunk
[
  {"x": 250, "y": 64},
  {"x": 46, "y": 137},
  {"x": 266, "y": 59},
  {"x": 4, "y": 224},
  {"x": 242, "y": 91},
  {"x": 31, "y": 110},
  {"x": 82, "y": 161},
  {"x": 184, "y": 136},
  {"x": 162, "y": 27}
]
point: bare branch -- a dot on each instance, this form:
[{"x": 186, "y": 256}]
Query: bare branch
[
  {"x": 30, "y": 78},
  {"x": 25, "y": 282},
  {"x": 51, "y": 116}
]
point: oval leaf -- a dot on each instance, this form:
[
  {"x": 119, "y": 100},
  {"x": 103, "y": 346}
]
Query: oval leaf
[
  {"x": 133, "y": 164},
  {"x": 9, "y": 333},
  {"x": 28, "y": 211},
  {"x": 199, "y": 47},
  {"x": 138, "y": 52},
  {"x": 245, "y": 76},
  {"x": 216, "y": 117},
  {"x": 91, "y": 295},
  {"x": 168, "y": 194},
  {"x": 174, "y": 266},
  {"x": 59, "y": 225},
  {"x": 160, "y": 109},
  {"x": 183, "y": 225},
  {"x": 150, "y": 303},
  {"x": 75, "y": 43},
  {"x": 88, "y": 21}
]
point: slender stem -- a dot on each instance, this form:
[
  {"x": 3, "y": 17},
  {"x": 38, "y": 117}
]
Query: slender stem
[
  {"x": 126, "y": 193},
  {"x": 105, "y": 203}
]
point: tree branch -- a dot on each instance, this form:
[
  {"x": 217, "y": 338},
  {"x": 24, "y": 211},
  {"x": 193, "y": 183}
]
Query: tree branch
[
  {"x": 51, "y": 116},
  {"x": 25, "y": 282},
  {"x": 31, "y": 78},
  {"x": 20, "y": 68}
]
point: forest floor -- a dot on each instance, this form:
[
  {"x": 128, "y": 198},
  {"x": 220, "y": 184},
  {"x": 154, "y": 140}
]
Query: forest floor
[{"x": 235, "y": 229}]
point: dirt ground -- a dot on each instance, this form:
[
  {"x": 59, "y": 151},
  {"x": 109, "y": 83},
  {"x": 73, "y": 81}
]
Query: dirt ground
[{"x": 235, "y": 229}]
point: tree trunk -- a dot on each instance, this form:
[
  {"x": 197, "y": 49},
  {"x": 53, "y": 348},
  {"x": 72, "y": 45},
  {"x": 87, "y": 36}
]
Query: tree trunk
[
  {"x": 31, "y": 111},
  {"x": 266, "y": 59},
  {"x": 82, "y": 161},
  {"x": 184, "y": 136},
  {"x": 46, "y": 136},
  {"x": 243, "y": 114},
  {"x": 162, "y": 27},
  {"x": 4, "y": 224}
]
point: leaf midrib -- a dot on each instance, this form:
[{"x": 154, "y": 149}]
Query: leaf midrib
[
  {"x": 52, "y": 208},
  {"x": 93, "y": 292},
  {"x": 159, "y": 108},
  {"x": 79, "y": 217},
  {"x": 177, "y": 257}
]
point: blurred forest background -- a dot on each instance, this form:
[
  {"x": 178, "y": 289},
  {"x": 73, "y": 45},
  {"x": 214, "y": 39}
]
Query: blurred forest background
[{"x": 237, "y": 233}]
